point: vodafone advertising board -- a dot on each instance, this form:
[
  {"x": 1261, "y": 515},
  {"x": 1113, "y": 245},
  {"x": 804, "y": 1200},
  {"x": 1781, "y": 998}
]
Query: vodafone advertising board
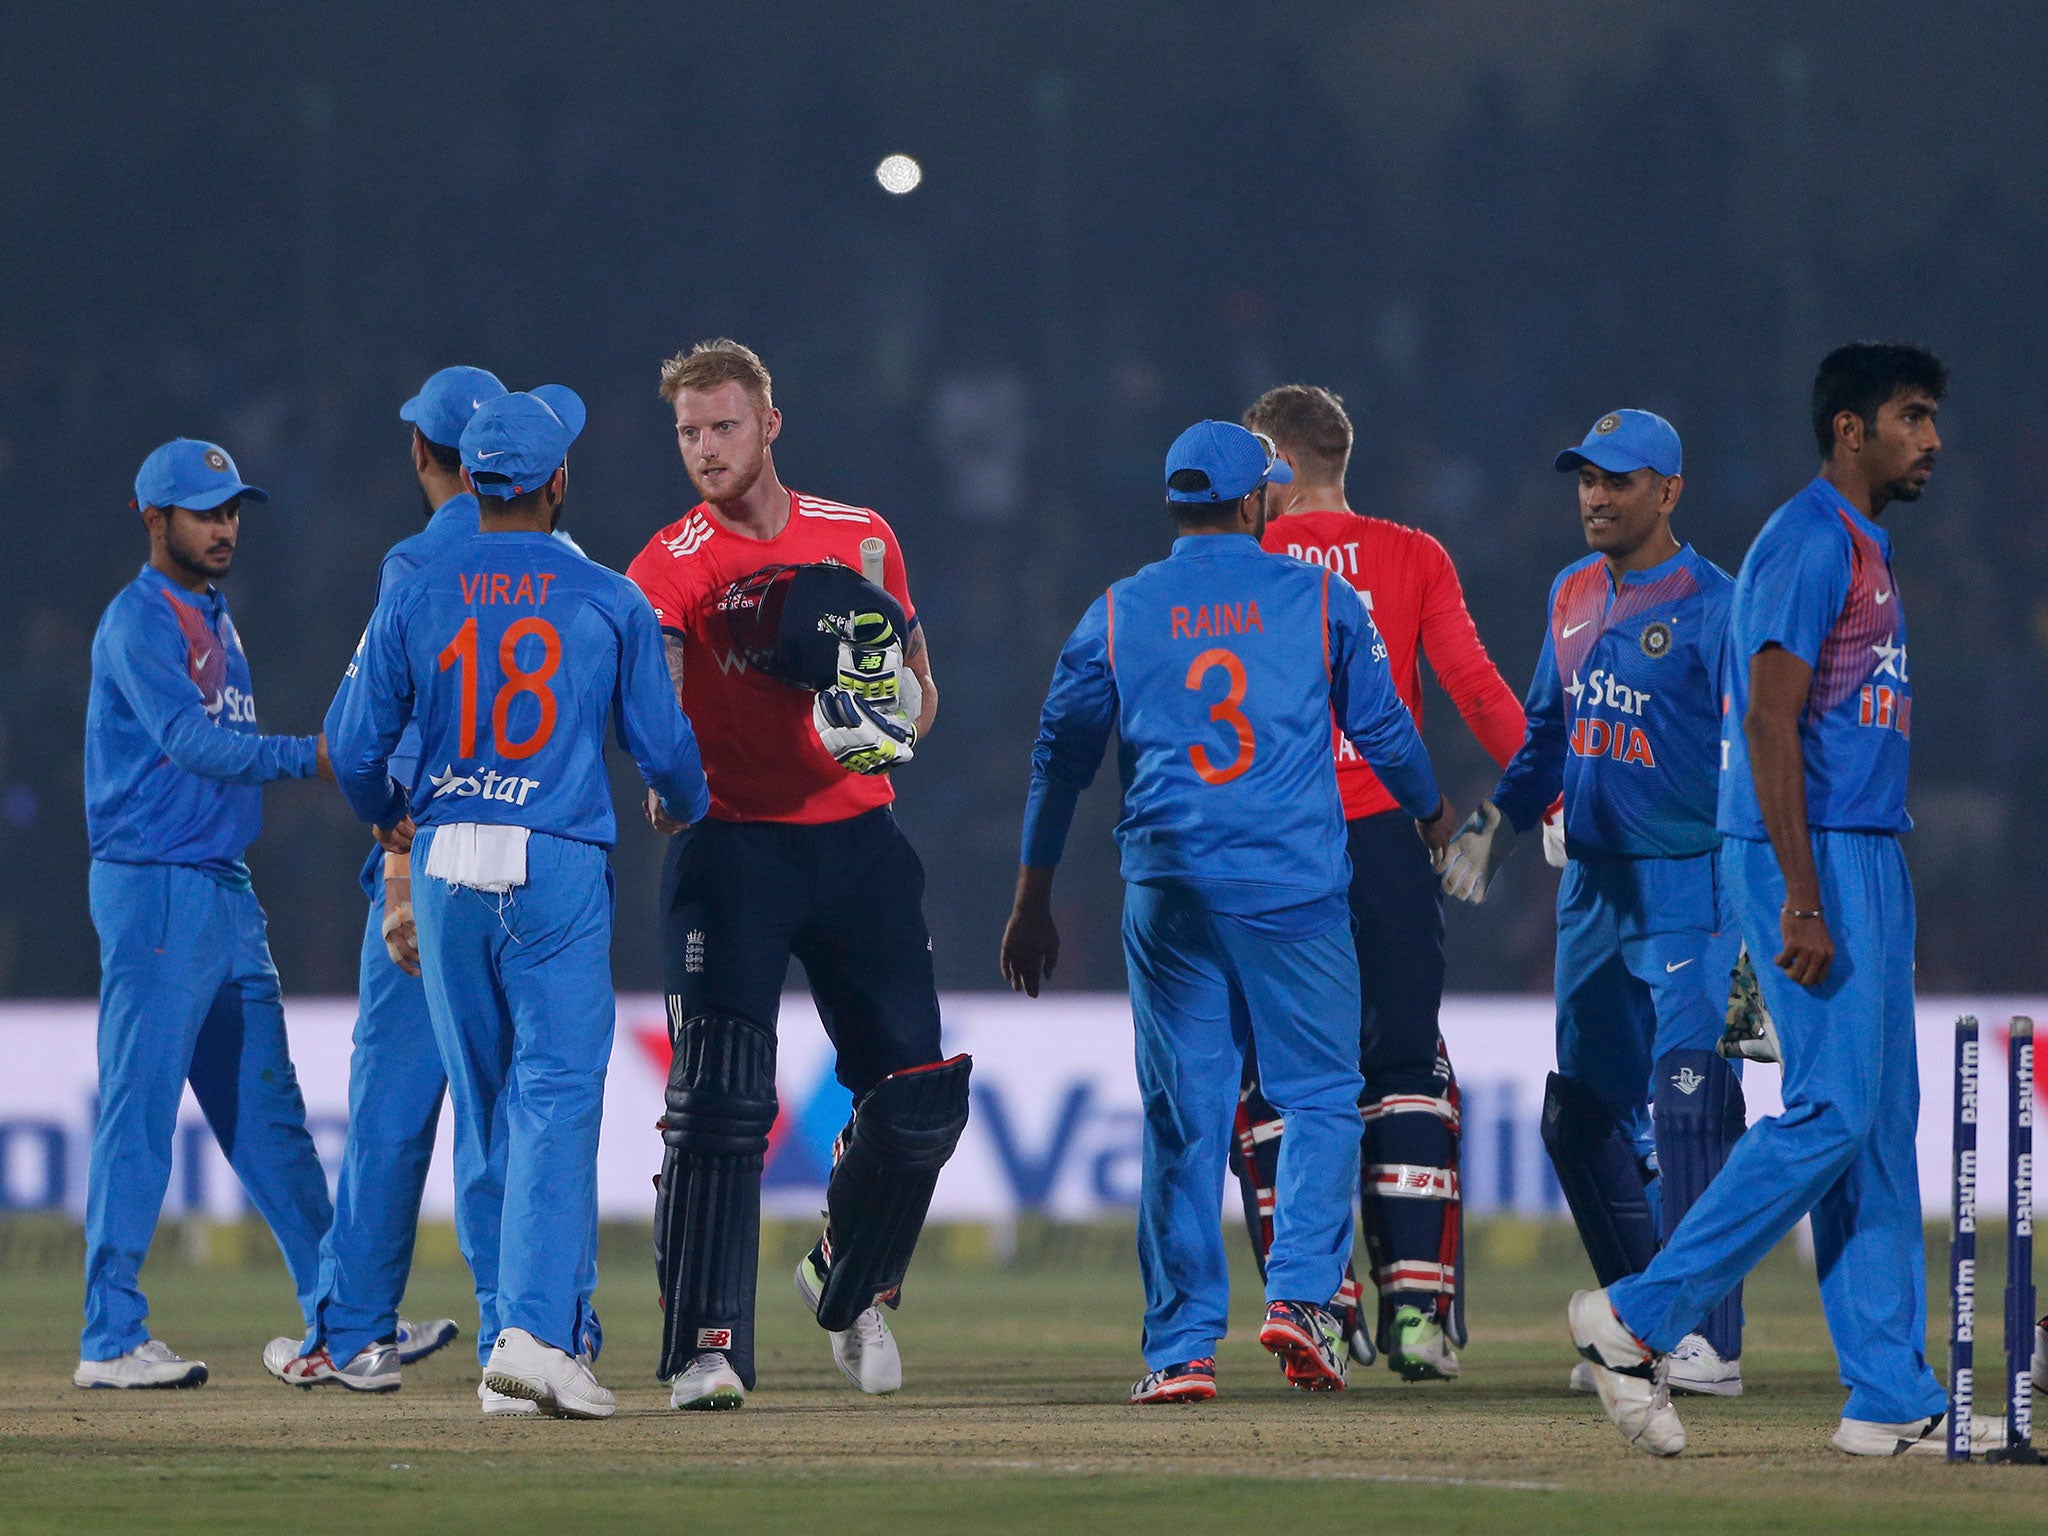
[{"x": 1055, "y": 1125}]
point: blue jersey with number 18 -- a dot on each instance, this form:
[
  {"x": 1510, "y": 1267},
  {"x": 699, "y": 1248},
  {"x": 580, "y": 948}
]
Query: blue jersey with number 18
[{"x": 509, "y": 650}]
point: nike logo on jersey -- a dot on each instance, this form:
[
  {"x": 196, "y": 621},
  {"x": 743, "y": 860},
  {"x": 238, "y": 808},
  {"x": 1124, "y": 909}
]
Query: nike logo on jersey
[
  {"x": 1884, "y": 596},
  {"x": 1573, "y": 629},
  {"x": 200, "y": 660},
  {"x": 1676, "y": 965}
]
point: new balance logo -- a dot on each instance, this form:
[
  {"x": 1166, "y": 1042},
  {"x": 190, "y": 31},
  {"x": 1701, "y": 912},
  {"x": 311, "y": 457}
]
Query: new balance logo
[
  {"x": 714, "y": 1338},
  {"x": 1687, "y": 1081}
]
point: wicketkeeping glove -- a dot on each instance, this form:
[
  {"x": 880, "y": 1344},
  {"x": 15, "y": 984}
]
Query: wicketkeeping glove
[
  {"x": 1554, "y": 853},
  {"x": 1750, "y": 1035},
  {"x": 1476, "y": 852}
]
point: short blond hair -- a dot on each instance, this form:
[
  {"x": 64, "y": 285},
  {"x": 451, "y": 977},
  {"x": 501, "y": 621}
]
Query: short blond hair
[
  {"x": 1307, "y": 422},
  {"x": 712, "y": 363}
]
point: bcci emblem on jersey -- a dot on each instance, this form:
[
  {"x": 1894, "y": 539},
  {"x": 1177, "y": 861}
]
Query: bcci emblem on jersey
[{"x": 1656, "y": 640}]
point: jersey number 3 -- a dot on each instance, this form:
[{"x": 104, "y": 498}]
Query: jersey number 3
[
  {"x": 461, "y": 651},
  {"x": 1225, "y": 710}
]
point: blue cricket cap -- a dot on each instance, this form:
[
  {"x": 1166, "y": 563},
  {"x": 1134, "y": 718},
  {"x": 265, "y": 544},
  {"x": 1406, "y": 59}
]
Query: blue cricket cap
[
  {"x": 1627, "y": 440},
  {"x": 1221, "y": 461},
  {"x": 187, "y": 472},
  {"x": 515, "y": 443},
  {"x": 447, "y": 400}
]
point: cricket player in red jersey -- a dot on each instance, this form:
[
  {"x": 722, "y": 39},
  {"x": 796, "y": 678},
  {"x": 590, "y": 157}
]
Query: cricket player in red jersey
[
  {"x": 1409, "y": 1181},
  {"x": 800, "y": 855}
]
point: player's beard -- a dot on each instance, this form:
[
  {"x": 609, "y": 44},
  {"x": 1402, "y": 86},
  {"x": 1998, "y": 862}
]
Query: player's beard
[
  {"x": 739, "y": 479},
  {"x": 194, "y": 556}
]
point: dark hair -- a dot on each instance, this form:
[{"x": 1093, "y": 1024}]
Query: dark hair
[
  {"x": 449, "y": 459},
  {"x": 1308, "y": 421},
  {"x": 1199, "y": 514},
  {"x": 1863, "y": 375},
  {"x": 503, "y": 504}
]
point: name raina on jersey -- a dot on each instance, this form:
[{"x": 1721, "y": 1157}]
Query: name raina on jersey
[{"x": 1210, "y": 619}]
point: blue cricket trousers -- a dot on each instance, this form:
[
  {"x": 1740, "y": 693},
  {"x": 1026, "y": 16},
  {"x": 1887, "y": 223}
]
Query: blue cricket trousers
[
  {"x": 1202, "y": 983},
  {"x": 1642, "y": 971},
  {"x": 187, "y": 991},
  {"x": 519, "y": 987},
  {"x": 1844, "y": 1147},
  {"x": 395, "y": 1085}
]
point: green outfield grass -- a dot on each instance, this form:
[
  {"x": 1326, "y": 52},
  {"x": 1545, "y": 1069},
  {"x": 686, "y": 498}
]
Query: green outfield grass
[{"x": 1012, "y": 1419}]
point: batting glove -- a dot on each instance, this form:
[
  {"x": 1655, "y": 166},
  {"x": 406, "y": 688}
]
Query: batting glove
[
  {"x": 871, "y": 661},
  {"x": 863, "y": 738},
  {"x": 1476, "y": 852}
]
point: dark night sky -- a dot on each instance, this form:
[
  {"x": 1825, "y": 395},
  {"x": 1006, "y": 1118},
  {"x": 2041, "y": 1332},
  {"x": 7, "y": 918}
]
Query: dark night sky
[{"x": 265, "y": 223}]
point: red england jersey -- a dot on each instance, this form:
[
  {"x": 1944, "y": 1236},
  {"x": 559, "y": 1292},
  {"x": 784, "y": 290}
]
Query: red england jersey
[
  {"x": 1411, "y": 588},
  {"x": 761, "y": 753}
]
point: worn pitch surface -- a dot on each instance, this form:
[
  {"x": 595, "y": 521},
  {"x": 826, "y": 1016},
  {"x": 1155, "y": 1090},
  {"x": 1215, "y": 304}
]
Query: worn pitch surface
[{"x": 1013, "y": 1420}]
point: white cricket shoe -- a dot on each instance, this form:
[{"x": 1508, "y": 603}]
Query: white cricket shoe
[
  {"x": 866, "y": 1352},
  {"x": 1697, "y": 1367},
  {"x": 373, "y": 1368},
  {"x": 561, "y": 1384},
  {"x": 1630, "y": 1379},
  {"x": 1916, "y": 1437},
  {"x": 497, "y": 1405},
  {"x": 1582, "y": 1379},
  {"x": 707, "y": 1382},
  {"x": 2041, "y": 1355},
  {"x": 416, "y": 1341},
  {"x": 150, "y": 1364}
]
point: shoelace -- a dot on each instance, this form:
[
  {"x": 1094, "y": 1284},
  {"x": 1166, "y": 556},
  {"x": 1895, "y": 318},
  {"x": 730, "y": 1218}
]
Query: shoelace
[{"x": 869, "y": 1327}]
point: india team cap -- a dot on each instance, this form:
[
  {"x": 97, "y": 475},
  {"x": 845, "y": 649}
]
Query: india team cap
[
  {"x": 1221, "y": 461},
  {"x": 447, "y": 400},
  {"x": 187, "y": 472},
  {"x": 1622, "y": 441},
  {"x": 515, "y": 443}
]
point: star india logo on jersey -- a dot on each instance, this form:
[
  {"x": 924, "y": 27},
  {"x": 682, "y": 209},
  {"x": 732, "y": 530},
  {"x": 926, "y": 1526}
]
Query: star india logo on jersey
[{"x": 489, "y": 785}]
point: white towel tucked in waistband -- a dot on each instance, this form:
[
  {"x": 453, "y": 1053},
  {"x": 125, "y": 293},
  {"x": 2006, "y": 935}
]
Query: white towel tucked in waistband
[{"x": 488, "y": 858}]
